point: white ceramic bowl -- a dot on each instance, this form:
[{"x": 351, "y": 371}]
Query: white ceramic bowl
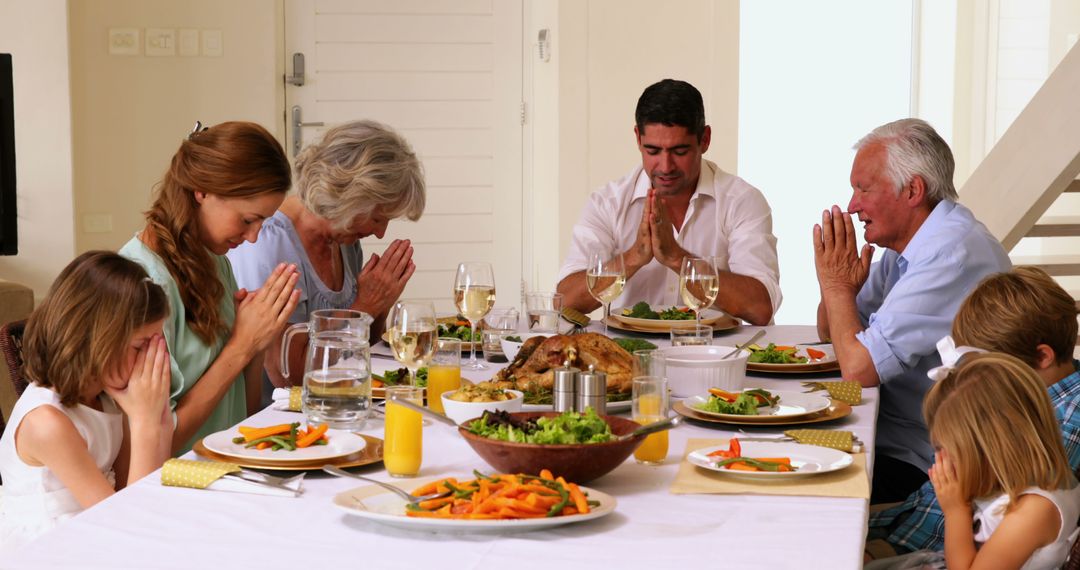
[
  {"x": 463, "y": 411},
  {"x": 692, "y": 370},
  {"x": 511, "y": 348}
]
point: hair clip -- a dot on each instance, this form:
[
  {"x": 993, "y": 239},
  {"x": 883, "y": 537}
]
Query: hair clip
[
  {"x": 198, "y": 129},
  {"x": 950, "y": 356}
]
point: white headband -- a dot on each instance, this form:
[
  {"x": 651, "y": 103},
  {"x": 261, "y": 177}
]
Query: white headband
[{"x": 950, "y": 355}]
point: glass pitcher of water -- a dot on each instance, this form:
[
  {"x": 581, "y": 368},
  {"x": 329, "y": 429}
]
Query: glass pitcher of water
[{"x": 337, "y": 368}]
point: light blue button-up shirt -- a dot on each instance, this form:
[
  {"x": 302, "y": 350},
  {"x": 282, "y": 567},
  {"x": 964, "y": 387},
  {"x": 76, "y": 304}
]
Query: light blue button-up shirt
[{"x": 907, "y": 304}]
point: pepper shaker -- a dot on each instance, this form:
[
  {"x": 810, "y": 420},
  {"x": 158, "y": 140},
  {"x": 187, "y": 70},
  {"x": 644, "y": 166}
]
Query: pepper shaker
[
  {"x": 592, "y": 391},
  {"x": 564, "y": 391}
]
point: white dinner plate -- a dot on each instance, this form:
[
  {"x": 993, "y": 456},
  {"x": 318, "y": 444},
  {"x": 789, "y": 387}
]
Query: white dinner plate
[
  {"x": 825, "y": 364},
  {"x": 377, "y": 504},
  {"x": 792, "y": 405},
  {"x": 708, "y": 317},
  {"x": 340, "y": 443},
  {"x": 807, "y": 459},
  {"x": 612, "y": 407}
]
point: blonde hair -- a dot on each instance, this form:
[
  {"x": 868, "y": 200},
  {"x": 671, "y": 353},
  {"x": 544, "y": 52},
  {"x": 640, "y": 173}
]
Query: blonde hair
[
  {"x": 357, "y": 168},
  {"x": 231, "y": 160},
  {"x": 1016, "y": 311},
  {"x": 83, "y": 327},
  {"x": 994, "y": 418}
]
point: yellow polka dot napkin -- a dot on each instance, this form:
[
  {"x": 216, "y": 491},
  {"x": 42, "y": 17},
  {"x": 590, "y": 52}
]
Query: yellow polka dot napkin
[
  {"x": 194, "y": 474},
  {"x": 836, "y": 439},
  {"x": 287, "y": 399},
  {"x": 846, "y": 391},
  {"x": 211, "y": 475}
]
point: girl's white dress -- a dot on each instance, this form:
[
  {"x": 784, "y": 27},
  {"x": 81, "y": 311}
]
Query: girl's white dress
[
  {"x": 990, "y": 512},
  {"x": 34, "y": 500}
]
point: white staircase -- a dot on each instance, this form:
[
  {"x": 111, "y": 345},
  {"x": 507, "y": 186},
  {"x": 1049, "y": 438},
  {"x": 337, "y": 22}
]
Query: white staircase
[{"x": 1035, "y": 164}]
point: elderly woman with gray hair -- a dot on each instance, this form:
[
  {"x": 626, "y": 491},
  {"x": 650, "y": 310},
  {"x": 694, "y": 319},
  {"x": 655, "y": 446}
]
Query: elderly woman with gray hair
[{"x": 349, "y": 186}]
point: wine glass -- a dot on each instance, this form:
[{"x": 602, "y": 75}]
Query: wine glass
[
  {"x": 698, "y": 284},
  {"x": 605, "y": 278},
  {"x": 474, "y": 295},
  {"x": 412, "y": 330}
]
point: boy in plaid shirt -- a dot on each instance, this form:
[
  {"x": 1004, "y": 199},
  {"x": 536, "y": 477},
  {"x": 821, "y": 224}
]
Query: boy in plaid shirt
[{"x": 1024, "y": 313}]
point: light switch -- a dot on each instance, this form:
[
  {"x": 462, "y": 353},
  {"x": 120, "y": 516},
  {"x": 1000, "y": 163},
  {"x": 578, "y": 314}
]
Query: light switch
[
  {"x": 212, "y": 43},
  {"x": 97, "y": 223},
  {"x": 189, "y": 42},
  {"x": 160, "y": 42},
  {"x": 123, "y": 41}
]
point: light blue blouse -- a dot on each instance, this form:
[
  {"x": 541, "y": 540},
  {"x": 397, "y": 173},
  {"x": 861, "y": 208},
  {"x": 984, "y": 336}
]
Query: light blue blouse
[{"x": 907, "y": 304}]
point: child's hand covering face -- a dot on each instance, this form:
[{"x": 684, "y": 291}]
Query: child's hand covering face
[
  {"x": 147, "y": 392},
  {"x": 950, "y": 495}
]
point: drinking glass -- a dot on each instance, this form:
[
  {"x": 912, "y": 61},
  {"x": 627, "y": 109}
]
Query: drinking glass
[
  {"x": 444, "y": 372},
  {"x": 698, "y": 284},
  {"x": 412, "y": 331},
  {"x": 403, "y": 440},
  {"x": 501, "y": 321},
  {"x": 543, "y": 310},
  {"x": 605, "y": 278},
  {"x": 649, "y": 362},
  {"x": 474, "y": 295},
  {"x": 650, "y": 404},
  {"x": 691, "y": 335}
]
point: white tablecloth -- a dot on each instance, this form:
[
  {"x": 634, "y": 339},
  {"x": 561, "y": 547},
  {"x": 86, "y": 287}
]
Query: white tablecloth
[{"x": 151, "y": 526}]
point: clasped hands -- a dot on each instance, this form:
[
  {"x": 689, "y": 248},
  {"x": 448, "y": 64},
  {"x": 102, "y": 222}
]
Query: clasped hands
[
  {"x": 837, "y": 259},
  {"x": 655, "y": 238}
]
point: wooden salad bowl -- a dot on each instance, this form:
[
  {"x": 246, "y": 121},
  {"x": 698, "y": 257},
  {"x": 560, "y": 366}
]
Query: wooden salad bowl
[{"x": 577, "y": 463}]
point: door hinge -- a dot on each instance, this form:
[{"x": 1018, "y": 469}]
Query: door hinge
[{"x": 522, "y": 109}]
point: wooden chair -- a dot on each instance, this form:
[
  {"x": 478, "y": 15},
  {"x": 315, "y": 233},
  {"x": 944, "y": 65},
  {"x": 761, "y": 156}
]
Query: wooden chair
[{"x": 11, "y": 336}]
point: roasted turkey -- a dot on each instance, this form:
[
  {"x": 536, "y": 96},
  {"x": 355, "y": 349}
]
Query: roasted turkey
[{"x": 538, "y": 357}]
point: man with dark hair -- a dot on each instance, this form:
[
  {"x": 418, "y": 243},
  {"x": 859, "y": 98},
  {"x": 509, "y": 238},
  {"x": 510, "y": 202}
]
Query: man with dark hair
[{"x": 677, "y": 205}]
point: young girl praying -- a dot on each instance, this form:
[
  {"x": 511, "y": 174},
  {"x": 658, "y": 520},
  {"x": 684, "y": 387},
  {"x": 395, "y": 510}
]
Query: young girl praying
[
  {"x": 1009, "y": 498},
  {"x": 93, "y": 353}
]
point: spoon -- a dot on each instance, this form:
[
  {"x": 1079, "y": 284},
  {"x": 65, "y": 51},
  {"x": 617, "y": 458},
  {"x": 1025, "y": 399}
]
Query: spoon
[
  {"x": 740, "y": 347},
  {"x": 400, "y": 492},
  {"x": 652, "y": 428}
]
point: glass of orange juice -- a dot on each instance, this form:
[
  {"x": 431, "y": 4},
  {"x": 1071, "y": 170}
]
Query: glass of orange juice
[
  {"x": 404, "y": 437},
  {"x": 444, "y": 372},
  {"x": 650, "y": 404}
]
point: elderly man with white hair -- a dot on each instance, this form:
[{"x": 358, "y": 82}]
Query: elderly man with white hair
[{"x": 884, "y": 318}]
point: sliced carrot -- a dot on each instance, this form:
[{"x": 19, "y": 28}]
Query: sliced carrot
[
  {"x": 580, "y": 503},
  {"x": 723, "y": 394},
  {"x": 815, "y": 354},
  {"x": 546, "y": 475},
  {"x": 251, "y": 434},
  {"x": 311, "y": 436}
]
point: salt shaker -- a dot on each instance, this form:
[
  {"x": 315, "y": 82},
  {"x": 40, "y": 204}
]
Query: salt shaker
[
  {"x": 592, "y": 391},
  {"x": 564, "y": 391}
]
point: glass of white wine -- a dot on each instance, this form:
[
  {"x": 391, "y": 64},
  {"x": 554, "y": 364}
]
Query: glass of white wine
[
  {"x": 605, "y": 278},
  {"x": 474, "y": 295},
  {"x": 412, "y": 330},
  {"x": 698, "y": 284}
]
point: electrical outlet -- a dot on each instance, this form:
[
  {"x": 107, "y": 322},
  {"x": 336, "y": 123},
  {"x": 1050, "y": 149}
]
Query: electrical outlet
[
  {"x": 160, "y": 42},
  {"x": 212, "y": 43},
  {"x": 123, "y": 41},
  {"x": 189, "y": 43}
]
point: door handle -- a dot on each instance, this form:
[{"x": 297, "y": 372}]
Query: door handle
[{"x": 297, "y": 127}]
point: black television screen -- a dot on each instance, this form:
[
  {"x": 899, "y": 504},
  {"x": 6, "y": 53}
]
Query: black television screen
[{"x": 9, "y": 232}]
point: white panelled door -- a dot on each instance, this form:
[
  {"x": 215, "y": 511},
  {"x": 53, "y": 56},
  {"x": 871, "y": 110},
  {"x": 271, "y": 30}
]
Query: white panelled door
[{"x": 448, "y": 76}]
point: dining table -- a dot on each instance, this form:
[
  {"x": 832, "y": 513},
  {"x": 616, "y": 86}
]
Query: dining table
[{"x": 148, "y": 525}]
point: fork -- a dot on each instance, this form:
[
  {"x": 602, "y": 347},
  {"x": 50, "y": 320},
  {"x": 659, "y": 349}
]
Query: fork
[
  {"x": 267, "y": 480},
  {"x": 399, "y": 491}
]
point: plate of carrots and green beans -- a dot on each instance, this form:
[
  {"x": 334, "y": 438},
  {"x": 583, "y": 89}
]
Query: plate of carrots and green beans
[{"x": 284, "y": 442}]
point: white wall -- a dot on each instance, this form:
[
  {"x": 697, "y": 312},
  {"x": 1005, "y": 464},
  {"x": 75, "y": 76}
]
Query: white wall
[
  {"x": 812, "y": 83},
  {"x": 35, "y": 33}
]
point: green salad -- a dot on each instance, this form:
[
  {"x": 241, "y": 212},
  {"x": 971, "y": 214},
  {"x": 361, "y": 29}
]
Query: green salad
[
  {"x": 458, "y": 331},
  {"x": 642, "y": 310},
  {"x": 773, "y": 354},
  {"x": 401, "y": 376},
  {"x": 632, "y": 344},
  {"x": 744, "y": 405},
  {"x": 566, "y": 428}
]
